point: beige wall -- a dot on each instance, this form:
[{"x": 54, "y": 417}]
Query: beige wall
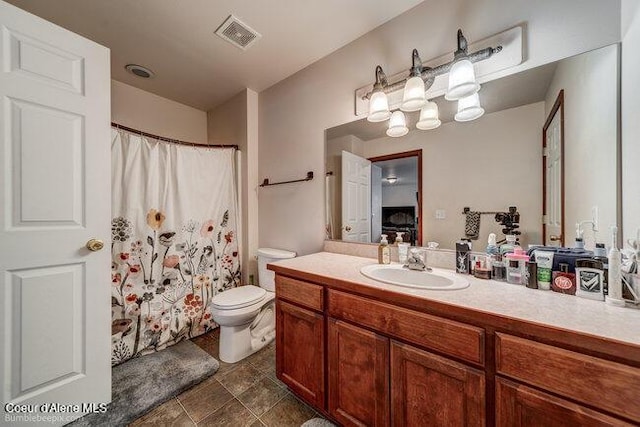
[
  {"x": 154, "y": 114},
  {"x": 590, "y": 83},
  {"x": 488, "y": 164},
  {"x": 235, "y": 122},
  {"x": 630, "y": 118},
  {"x": 295, "y": 112}
]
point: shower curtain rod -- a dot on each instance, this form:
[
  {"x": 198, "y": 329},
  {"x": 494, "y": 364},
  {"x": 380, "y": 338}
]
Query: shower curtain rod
[{"x": 174, "y": 141}]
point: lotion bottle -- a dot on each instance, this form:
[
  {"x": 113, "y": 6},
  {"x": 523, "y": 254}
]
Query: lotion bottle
[
  {"x": 615, "y": 273},
  {"x": 384, "y": 253}
]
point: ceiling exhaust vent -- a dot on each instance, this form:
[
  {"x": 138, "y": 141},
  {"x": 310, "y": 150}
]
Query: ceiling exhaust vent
[{"x": 238, "y": 33}]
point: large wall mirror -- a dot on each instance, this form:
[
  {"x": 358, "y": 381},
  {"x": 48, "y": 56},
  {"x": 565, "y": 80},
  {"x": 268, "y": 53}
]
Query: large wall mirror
[{"x": 547, "y": 145}]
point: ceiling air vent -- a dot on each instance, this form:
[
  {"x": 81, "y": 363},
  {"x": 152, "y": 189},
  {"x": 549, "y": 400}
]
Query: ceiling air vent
[{"x": 237, "y": 33}]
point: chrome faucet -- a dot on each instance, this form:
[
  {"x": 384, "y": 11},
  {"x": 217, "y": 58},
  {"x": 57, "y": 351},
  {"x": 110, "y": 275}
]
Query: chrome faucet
[{"x": 415, "y": 261}]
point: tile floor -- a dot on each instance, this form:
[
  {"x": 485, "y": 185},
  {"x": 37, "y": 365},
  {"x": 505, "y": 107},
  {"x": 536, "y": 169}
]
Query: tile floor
[{"x": 246, "y": 393}]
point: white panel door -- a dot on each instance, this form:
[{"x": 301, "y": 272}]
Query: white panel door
[
  {"x": 54, "y": 197},
  {"x": 356, "y": 198},
  {"x": 553, "y": 182},
  {"x": 376, "y": 203}
]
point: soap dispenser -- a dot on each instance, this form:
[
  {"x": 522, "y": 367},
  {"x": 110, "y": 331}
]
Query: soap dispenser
[{"x": 384, "y": 253}]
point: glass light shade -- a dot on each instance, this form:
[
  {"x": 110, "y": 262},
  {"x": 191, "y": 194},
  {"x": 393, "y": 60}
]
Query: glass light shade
[
  {"x": 429, "y": 117},
  {"x": 397, "y": 125},
  {"x": 414, "y": 97},
  {"x": 378, "y": 107},
  {"x": 462, "y": 81},
  {"x": 469, "y": 109},
  {"x": 392, "y": 179}
]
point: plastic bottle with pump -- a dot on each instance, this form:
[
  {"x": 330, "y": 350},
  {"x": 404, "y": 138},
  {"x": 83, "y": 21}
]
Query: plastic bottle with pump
[{"x": 384, "y": 253}]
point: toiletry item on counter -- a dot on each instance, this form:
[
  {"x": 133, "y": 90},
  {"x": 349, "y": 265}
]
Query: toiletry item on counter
[
  {"x": 498, "y": 269},
  {"x": 403, "y": 252},
  {"x": 614, "y": 294},
  {"x": 463, "y": 256},
  {"x": 398, "y": 237},
  {"x": 544, "y": 260},
  {"x": 508, "y": 247},
  {"x": 579, "y": 244},
  {"x": 563, "y": 281},
  {"x": 532, "y": 275},
  {"x": 482, "y": 269},
  {"x": 600, "y": 254},
  {"x": 384, "y": 253},
  {"x": 492, "y": 246},
  {"x": 564, "y": 256},
  {"x": 590, "y": 279},
  {"x": 516, "y": 266}
]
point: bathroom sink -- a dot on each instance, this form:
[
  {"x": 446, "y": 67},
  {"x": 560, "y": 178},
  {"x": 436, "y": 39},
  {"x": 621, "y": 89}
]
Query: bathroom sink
[{"x": 395, "y": 274}]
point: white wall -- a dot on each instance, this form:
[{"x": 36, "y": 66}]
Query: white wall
[
  {"x": 399, "y": 195},
  {"x": 295, "y": 112},
  {"x": 235, "y": 122},
  {"x": 591, "y": 137},
  {"x": 145, "y": 111},
  {"x": 488, "y": 164},
  {"x": 630, "y": 103}
]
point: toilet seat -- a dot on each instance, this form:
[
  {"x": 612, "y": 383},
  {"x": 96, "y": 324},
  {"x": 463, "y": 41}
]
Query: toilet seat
[{"x": 239, "y": 297}]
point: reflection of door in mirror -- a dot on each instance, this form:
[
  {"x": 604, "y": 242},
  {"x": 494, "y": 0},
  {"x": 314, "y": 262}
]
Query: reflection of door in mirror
[
  {"x": 356, "y": 198},
  {"x": 376, "y": 203},
  {"x": 553, "y": 175},
  {"x": 400, "y": 197}
]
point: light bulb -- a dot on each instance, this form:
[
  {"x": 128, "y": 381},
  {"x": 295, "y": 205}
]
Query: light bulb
[
  {"x": 469, "y": 109},
  {"x": 397, "y": 125},
  {"x": 462, "y": 81},
  {"x": 429, "y": 117},
  {"x": 378, "y": 107},
  {"x": 414, "y": 97}
]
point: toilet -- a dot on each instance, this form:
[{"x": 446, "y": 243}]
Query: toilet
[{"x": 246, "y": 314}]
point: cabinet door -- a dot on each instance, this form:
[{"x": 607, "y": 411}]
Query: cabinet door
[
  {"x": 300, "y": 351},
  {"x": 358, "y": 375},
  {"x": 519, "y": 406},
  {"x": 429, "y": 390}
]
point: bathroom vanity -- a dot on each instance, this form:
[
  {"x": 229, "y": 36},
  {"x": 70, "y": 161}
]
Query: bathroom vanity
[{"x": 367, "y": 353}]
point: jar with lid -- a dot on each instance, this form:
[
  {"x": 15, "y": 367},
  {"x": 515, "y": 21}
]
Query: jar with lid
[{"x": 517, "y": 266}]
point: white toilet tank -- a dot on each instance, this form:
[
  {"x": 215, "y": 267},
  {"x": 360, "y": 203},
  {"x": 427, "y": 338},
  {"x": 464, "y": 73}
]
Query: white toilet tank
[{"x": 266, "y": 278}]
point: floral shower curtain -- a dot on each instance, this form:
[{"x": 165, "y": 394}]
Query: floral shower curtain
[{"x": 174, "y": 241}]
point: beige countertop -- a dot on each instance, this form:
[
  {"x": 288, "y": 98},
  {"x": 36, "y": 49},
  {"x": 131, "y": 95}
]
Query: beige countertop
[{"x": 546, "y": 308}]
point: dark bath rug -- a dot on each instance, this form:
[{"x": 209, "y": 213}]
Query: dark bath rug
[{"x": 141, "y": 384}]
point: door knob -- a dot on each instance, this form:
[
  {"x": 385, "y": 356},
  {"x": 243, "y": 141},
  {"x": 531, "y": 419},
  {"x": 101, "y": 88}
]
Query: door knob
[
  {"x": 95, "y": 245},
  {"x": 347, "y": 228},
  {"x": 554, "y": 238}
]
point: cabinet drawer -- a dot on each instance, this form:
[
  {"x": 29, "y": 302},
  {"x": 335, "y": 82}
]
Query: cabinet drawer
[
  {"x": 611, "y": 386},
  {"x": 453, "y": 338},
  {"x": 302, "y": 293}
]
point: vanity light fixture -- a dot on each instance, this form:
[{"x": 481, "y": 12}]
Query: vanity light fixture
[
  {"x": 378, "y": 103},
  {"x": 462, "y": 86},
  {"x": 414, "y": 92},
  {"x": 462, "y": 77},
  {"x": 397, "y": 125},
  {"x": 391, "y": 179},
  {"x": 429, "y": 117},
  {"x": 469, "y": 109}
]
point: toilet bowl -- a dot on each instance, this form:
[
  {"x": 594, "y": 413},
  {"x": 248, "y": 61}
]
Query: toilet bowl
[{"x": 246, "y": 314}]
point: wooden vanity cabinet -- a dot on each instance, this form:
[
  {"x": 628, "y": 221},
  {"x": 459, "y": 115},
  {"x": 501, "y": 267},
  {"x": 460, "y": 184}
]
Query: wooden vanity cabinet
[
  {"x": 518, "y": 405},
  {"x": 300, "y": 338},
  {"x": 365, "y": 360},
  {"x": 430, "y": 390},
  {"x": 358, "y": 369}
]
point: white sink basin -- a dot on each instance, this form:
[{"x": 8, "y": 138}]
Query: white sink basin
[{"x": 395, "y": 274}]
